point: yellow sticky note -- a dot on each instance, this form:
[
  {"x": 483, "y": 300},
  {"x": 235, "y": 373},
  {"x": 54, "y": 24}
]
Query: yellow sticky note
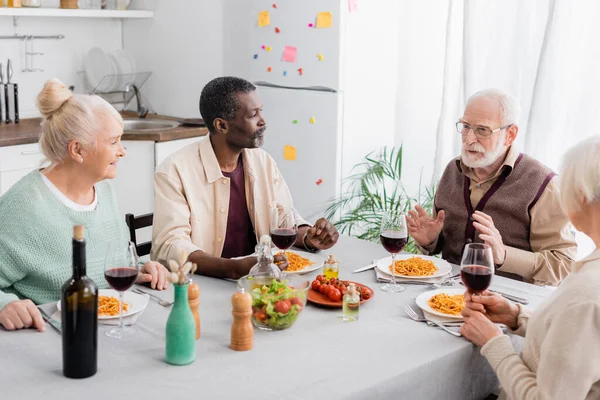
[
  {"x": 320, "y": 57},
  {"x": 289, "y": 153},
  {"x": 264, "y": 18},
  {"x": 324, "y": 20},
  {"x": 268, "y": 48},
  {"x": 312, "y": 120}
]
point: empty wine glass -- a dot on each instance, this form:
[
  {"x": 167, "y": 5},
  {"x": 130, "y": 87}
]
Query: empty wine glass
[
  {"x": 394, "y": 236},
  {"x": 121, "y": 271},
  {"x": 477, "y": 267}
]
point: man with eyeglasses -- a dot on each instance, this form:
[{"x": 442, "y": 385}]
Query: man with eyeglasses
[{"x": 496, "y": 195}]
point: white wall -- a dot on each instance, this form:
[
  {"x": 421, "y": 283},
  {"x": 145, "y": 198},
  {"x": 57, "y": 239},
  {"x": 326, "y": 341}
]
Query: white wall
[
  {"x": 182, "y": 46},
  {"x": 62, "y": 59}
]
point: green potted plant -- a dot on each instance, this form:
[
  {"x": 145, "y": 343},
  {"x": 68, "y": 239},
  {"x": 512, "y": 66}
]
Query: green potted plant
[{"x": 374, "y": 187}]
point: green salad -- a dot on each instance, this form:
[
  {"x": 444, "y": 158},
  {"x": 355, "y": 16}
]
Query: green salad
[{"x": 276, "y": 305}]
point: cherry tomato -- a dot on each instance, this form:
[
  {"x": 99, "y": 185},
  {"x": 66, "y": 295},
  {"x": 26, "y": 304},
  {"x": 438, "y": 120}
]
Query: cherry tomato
[
  {"x": 261, "y": 315},
  {"x": 282, "y": 306},
  {"x": 316, "y": 285},
  {"x": 334, "y": 295},
  {"x": 323, "y": 288},
  {"x": 366, "y": 294},
  {"x": 321, "y": 278},
  {"x": 296, "y": 300}
]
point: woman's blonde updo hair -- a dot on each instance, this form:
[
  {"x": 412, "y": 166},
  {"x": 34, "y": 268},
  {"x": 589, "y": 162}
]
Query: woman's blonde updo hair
[{"x": 69, "y": 116}]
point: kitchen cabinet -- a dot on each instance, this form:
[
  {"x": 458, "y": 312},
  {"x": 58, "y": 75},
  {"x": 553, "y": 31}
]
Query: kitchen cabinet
[
  {"x": 165, "y": 149},
  {"x": 18, "y": 161}
]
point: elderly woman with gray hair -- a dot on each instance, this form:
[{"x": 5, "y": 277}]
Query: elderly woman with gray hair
[
  {"x": 81, "y": 137},
  {"x": 561, "y": 352}
]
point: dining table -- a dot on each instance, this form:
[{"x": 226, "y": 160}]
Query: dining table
[{"x": 382, "y": 355}]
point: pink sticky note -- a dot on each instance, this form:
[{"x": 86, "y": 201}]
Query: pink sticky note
[
  {"x": 289, "y": 54},
  {"x": 352, "y": 5}
]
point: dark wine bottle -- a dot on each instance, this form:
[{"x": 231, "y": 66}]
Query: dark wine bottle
[{"x": 79, "y": 301}]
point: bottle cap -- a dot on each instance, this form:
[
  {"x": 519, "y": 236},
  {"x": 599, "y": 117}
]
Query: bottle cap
[{"x": 265, "y": 239}]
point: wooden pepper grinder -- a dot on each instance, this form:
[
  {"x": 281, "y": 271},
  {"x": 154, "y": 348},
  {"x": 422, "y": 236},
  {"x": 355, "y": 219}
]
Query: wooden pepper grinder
[
  {"x": 242, "y": 331},
  {"x": 194, "y": 301}
]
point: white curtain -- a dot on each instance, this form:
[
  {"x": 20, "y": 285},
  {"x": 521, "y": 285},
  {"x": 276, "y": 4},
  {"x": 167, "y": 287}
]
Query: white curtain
[{"x": 544, "y": 52}]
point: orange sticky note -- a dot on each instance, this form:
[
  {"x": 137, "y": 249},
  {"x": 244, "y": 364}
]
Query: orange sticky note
[
  {"x": 289, "y": 153},
  {"x": 264, "y": 18},
  {"x": 319, "y": 181},
  {"x": 324, "y": 20},
  {"x": 300, "y": 71},
  {"x": 269, "y": 69},
  {"x": 289, "y": 54},
  {"x": 277, "y": 30}
]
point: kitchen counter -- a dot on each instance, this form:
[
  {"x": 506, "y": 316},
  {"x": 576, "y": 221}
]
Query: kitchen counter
[{"x": 28, "y": 131}]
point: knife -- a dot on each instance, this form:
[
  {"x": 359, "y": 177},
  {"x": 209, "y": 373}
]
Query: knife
[
  {"x": 511, "y": 297},
  {"x": 1, "y": 84},
  {"x": 15, "y": 91},
  {"x": 55, "y": 324},
  {"x": 6, "y": 107},
  {"x": 368, "y": 267}
]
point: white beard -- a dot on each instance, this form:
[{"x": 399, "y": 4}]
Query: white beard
[{"x": 489, "y": 157}]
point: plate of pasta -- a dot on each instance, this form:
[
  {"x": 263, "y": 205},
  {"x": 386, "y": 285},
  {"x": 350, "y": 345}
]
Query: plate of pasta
[
  {"x": 443, "y": 302},
  {"x": 302, "y": 262},
  {"x": 108, "y": 303},
  {"x": 411, "y": 266}
]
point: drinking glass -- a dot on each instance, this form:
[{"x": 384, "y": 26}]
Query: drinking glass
[
  {"x": 394, "y": 237},
  {"x": 121, "y": 271},
  {"x": 477, "y": 267},
  {"x": 284, "y": 230}
]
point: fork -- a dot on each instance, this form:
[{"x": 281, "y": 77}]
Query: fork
[
  {"x": 164, "y": 303},
  {"x": 413, "y": 315}
]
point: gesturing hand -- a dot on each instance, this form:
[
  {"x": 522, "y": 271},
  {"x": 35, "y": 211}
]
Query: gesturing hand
[
  {"x": 323, "y": 235},
  {"x": 490, "y": 235},
  {"x": 424, "y": 229}
]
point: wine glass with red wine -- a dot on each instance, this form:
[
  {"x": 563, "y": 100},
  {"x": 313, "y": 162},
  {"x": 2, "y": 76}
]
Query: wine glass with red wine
[
  {"x": 121, "y": 271},
  {"x": 394, "y": 236},
  {"x": 477, "y": 267},
  {"x": 284, "y": 230}
]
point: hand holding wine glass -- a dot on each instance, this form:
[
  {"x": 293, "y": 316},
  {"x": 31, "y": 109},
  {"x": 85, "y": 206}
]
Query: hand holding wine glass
[
  {"x": 477, "y": 267},
  {"x": 121, "y": 271},
  {"x": 394, "y": 237},
  {"x": 284, "y": 230}
]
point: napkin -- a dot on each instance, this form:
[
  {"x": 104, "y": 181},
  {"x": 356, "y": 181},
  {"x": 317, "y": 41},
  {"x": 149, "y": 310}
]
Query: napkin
[
  {"x": 381, "y": 277},
  {"x": 446, "y": 321}
]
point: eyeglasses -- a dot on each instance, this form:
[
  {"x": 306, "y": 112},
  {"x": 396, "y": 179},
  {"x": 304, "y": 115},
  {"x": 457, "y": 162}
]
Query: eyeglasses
[{"x": 480, "y": 131}]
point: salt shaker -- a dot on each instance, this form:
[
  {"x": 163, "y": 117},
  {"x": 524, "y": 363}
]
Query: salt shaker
[
  {"x": 242, "y": 331},
  {"x": 194, "y": 301}
]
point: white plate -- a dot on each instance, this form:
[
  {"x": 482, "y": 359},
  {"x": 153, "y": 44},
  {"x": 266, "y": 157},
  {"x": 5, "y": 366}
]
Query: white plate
[
  {"x": 97, "y": 66},
  {"x": 315, "y": 258},
  {"x": 442, "y": 265},
  {"x": 126, "y": 66},
  {"x": 136, "y": 302},
  {"x": 423, "y": 298}
]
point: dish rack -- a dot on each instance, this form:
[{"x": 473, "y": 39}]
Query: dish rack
[{"x": 116, "y": 88}]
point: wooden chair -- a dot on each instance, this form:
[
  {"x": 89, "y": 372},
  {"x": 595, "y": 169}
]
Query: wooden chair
[{"x": 139, "y": 222}]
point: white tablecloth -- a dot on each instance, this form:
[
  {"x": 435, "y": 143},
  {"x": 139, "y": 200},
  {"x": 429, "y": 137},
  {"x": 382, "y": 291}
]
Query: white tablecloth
[{"x": 384, "y": 355}]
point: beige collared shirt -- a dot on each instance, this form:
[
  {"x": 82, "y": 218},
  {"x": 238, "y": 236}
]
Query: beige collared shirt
[
  {"x": 192, "y": 200},
  {"x": 551, "y": 234}
]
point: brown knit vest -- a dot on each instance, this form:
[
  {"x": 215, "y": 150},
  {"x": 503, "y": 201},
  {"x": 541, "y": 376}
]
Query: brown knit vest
[{"x": 508, "y": 201}]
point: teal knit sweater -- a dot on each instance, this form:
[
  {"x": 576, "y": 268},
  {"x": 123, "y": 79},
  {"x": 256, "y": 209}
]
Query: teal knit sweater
[{"x": 35, "y": 239}]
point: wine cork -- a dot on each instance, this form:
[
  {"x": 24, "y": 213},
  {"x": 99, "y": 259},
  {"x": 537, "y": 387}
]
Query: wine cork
[{"x": 78, "y": 232}]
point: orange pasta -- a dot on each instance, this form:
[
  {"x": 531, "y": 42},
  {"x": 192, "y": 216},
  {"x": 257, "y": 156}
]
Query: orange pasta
[
  {"x": 296, "y": 261},
  {"x": 414, "y": 266},
  {"x": 446, "y": 304},
  {"x": 108, "y": 306}
]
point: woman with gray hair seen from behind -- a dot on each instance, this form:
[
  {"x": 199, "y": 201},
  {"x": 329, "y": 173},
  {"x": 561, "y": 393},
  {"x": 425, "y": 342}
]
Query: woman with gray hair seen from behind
[
  {"x": 81, "y": 137},
  {"x": 562, "y": 337}
]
